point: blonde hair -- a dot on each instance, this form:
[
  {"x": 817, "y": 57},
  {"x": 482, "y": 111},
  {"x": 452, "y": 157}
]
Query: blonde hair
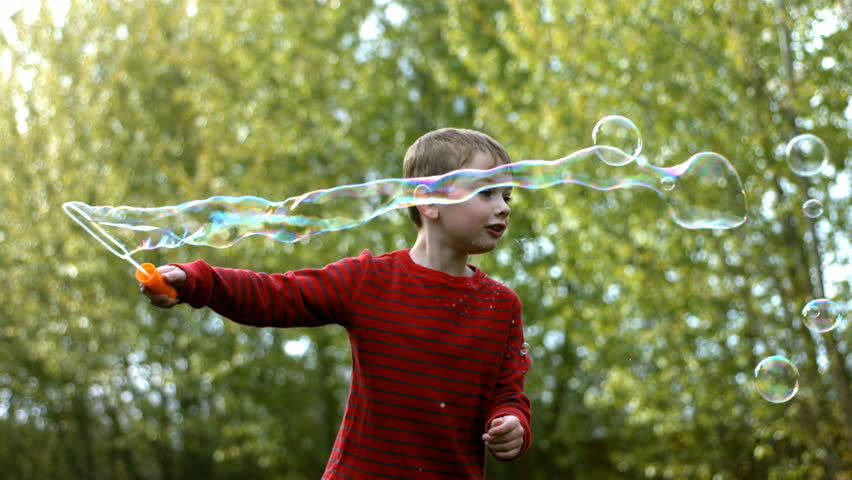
[{"x": 444, "y": 150}]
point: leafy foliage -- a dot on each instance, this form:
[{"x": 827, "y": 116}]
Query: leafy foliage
[{"x": 644, "y": 334}]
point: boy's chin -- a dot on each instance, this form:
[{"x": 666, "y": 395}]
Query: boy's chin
[{"x": 477, "y": 249}]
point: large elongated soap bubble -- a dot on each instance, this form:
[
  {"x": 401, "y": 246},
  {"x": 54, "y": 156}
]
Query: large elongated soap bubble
[{"x": 702, "y": 192}]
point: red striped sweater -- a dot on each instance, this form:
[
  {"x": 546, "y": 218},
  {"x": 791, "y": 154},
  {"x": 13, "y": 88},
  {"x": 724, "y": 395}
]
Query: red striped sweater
[{"x": 435, "y": 357}]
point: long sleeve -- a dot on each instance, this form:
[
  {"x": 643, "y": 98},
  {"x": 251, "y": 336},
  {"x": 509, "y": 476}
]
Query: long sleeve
[
  {"x": 301, "y": 298},
  {"x": 509, "y": 397}
]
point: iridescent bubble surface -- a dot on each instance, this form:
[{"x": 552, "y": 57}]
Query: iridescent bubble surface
[
  {"x": 709, "y": 195},
  {"x": 812, "y": 208},
  {"x": 822, "y": 315},
  {"x": 806, "y": 155},
  {"x": 776, "y": 379}
]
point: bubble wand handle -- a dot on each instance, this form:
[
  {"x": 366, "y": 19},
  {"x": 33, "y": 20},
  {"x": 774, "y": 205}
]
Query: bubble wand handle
[{"x": 148, "y": 275}]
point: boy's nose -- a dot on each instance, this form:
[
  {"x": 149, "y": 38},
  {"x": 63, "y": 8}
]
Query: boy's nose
[{"x": 503, "y": 209}]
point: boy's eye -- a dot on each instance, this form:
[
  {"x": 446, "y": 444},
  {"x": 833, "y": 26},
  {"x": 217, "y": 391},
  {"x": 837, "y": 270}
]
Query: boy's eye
[{"x": 488, "y": 192}]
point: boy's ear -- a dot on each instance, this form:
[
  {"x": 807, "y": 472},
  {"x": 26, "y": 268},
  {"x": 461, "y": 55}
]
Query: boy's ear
[{"x": 429, "y": 211}]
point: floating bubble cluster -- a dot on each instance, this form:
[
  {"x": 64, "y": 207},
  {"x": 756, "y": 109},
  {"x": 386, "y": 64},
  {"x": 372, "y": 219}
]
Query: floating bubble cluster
[
  {"x": 703, "y": 192},
  {"x": 776, "y": 379}
]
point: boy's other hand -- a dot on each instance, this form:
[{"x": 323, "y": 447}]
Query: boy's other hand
[
  {"x": 175, "y": 277},
  {"x": 505, "y": 437}
]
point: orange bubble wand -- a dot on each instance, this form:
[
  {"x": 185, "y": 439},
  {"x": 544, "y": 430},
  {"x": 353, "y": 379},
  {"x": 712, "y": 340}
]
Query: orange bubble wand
[{"x": 146, "y": 273}]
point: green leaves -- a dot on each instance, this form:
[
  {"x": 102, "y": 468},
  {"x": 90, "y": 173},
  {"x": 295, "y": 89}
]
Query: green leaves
[{"x": 644, "y": 334}]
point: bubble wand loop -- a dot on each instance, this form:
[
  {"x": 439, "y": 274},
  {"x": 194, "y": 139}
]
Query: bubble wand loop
[{"x": 146, "y": 273}]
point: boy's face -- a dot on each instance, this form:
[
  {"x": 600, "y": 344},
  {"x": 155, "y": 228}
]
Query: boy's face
[{"x": 476, "y": 225}]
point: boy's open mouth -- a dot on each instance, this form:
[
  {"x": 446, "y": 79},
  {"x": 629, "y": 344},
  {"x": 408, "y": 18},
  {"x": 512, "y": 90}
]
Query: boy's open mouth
[{"x": 496, "y": 229}]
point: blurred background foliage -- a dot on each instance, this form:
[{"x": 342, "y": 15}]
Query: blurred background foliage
[{"x": 644, "y": 335}]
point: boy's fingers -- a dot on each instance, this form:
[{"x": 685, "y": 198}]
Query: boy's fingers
[
  {"x": 173, "y": 275},
  {"x": 506, "y": 450},
  {"x": 502, "y": 425},
  {"x": 165, "y": 301},
  {"x": 505, "y": 446},
  {"x": 513, "y": 436},
  {"x": 168, "y": 273},
  {"x": 157, "y": 299},
  {"x": 506, "y": 455}
]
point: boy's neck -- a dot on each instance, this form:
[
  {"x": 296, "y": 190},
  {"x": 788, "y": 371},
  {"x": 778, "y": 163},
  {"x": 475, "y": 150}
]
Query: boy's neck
[{"x": 428, "y": 254}]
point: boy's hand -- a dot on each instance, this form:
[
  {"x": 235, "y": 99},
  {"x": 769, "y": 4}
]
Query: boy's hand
[
  {"x": 175, "y": 277},
  {"x": 505, "y": 437}
]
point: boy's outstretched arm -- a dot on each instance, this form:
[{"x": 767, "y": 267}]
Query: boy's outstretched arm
[
  {"x": 175, "y": 277},
  {"x": 307, "y": 297}
]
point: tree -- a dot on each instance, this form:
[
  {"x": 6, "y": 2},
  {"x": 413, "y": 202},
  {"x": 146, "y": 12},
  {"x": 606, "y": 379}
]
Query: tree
[{"x": 644, "y": 334}]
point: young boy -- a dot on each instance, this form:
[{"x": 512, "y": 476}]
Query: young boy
[{"x": 437, "y": 360}]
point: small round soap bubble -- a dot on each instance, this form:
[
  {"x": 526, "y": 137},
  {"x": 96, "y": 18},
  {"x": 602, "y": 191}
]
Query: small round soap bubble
[
  {"x": 622, "y": 135},
  {"x": 806, "y": 155},
  {"x": 812, "y": 208},
  {"x": 776, "y": 379},
  {"x": 668, "y": 183},
  {"x": 822, "y": 315}
]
